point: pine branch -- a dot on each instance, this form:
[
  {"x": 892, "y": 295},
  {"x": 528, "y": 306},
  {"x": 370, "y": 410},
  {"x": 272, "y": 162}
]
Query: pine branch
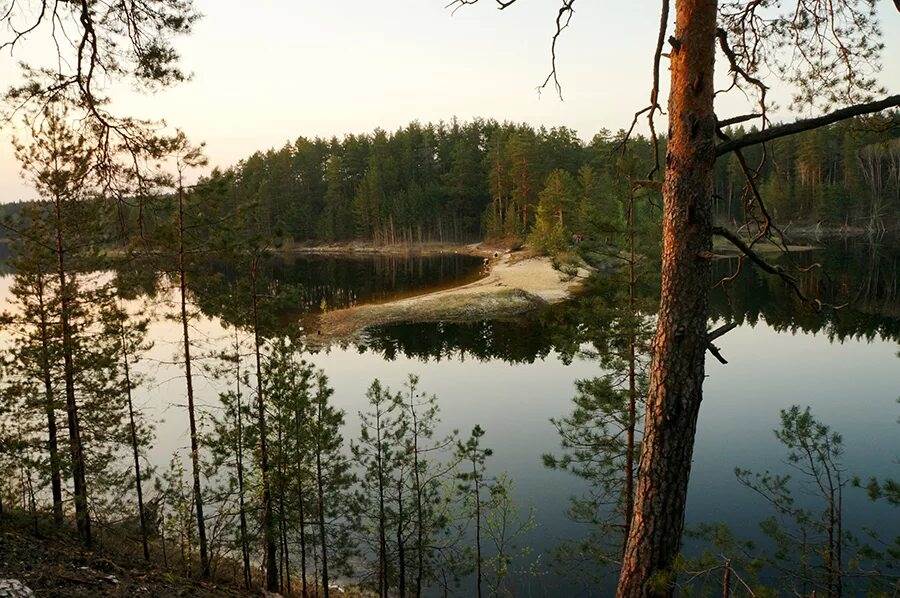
[{"x": 807, "y": 124}]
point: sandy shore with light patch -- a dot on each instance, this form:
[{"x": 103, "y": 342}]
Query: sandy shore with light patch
[{"x": 515, "y": 283}]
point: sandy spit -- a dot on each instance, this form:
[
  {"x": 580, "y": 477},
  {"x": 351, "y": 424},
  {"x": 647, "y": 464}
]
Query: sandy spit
[{"x": 516, "y": 282}]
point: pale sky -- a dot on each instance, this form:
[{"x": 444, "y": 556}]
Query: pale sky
[{"x": 268, "y": 71}]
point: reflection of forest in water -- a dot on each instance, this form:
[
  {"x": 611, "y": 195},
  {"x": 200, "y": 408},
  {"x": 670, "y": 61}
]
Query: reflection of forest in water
[
  {"x": 315, "y": 283},
  {"x": 859, "y": 278},
  {"x": 856, "y": 281},
  {"x": 543, "y": 348}
]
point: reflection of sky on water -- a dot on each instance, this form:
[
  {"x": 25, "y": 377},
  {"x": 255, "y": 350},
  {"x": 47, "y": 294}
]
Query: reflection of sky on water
[{"x": 852, "y": 386}]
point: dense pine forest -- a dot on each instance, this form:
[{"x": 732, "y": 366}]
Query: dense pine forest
[
  {"x": 210, "y": 376},
  {"x": 467, "y": 181},
  {"x": 461, "y": 181}
]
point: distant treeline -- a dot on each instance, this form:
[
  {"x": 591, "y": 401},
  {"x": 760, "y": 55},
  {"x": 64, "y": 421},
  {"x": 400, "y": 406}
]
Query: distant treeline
[
  {"x": 844, "y": 174},
  {"x": 465, "y": 181},
  {"x": 433, "y": 182}
]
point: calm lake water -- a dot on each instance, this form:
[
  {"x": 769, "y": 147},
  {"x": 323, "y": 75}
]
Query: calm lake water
[{"x": 511, "y": 377}]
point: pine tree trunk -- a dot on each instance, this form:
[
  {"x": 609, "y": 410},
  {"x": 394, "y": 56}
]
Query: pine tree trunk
[
  {"x": 382, "y": 522},
  {"x": 52, "y": 443},
  {"x": 477, "y": 531},
  {"x": 239, "y": 454},
  {"x": 134, "y": 447},
  {"x": 677, "y": 371},
  {"x": 632, "y": 380},
  {"x": 420, "y": 532},
  {"x": 268, "y": 527},
  {"x": 192, "y": 418},
  {"x": 283, "y": 514},
  {"x": 297, "y": 424},
  {"x": 82, "y": 516},
  {"x": 401, "y": 549},
  {"x": 321, "y": 504}
]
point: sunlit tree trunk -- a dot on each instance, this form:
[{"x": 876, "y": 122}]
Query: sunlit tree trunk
[
  {"x": 382, "y": 518},
  {"x": 677, "y": 371},
  {"x": 420, "y": 532},
  {"x": 401, "y": 548},
  {"x": 477, "y": 488}
]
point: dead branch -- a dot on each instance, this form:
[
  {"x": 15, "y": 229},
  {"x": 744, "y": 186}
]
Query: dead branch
[
  {"x": 563, "y": 20},
  {"x": 808, "y": 124},
  {"x": 720, "y": 331},
  {"x": 736, "y": 120},
  {"x": 764, "y": 265},
  {"x": 767, "y": 224},
  {"x": 714, "y": 350},
  {"x": 654, "y": 92}
]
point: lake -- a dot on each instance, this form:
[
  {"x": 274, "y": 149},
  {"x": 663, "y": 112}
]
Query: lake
[{"x": 511, "y": 377}]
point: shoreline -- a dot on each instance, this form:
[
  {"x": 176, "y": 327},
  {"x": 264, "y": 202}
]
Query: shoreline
[
  {"x": 515, "y": 282},
  {"x": 362, "y": 249}
]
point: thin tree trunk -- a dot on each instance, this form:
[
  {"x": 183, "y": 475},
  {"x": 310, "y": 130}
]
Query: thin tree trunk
[
  {"x": 401, "y": 550},
  {"x": 297, "y": 425},
  {"x": 839, "y": 547},
  {"x": 321, "y": 504},
  {"x": 420, "y": 532},
  {"x": 239, "y": 453},
  {"x": 268, "y": 528},
  {"x": 82, "y": 516},
  {"x": 726, "y": 580},
  {"x": 677, "y": 371},
  {"x": 382, "y": 523},
  {"x": 52, "y": 443},
  {"x": 192, "y": 418},
  {"x": 477, "y": 531},
  {"x": 632, "y": 375},
  {"x": 32, "y": 503},
  {"x": 283, "y": 513},
  {"x": 134, "y": 446}
]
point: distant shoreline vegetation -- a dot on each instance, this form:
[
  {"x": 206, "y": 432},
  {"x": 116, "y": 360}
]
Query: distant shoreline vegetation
[{"x": 460, "y": 181}]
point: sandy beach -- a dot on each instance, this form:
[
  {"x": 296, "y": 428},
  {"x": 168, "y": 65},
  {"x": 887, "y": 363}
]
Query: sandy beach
[{"x": 515, "y": 282}]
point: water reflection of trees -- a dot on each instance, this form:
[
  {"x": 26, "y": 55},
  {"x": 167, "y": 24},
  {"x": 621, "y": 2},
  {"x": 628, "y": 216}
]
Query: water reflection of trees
[
  {"x": 326, "y": 282},
  {"x": 859, "y": 278}
]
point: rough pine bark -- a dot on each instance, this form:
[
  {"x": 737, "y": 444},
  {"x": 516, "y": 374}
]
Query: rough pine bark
[{"x": 679, "y": 348}]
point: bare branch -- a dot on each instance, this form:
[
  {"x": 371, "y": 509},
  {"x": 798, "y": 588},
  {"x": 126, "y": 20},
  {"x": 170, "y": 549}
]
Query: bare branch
[
  {"x": 807, "y": 124},
  {"x": 736, "y": 120},
  {"x": 764, "y": 265},
  {"x": 563, "y": 19},
  {"x": 720, "y": 331},
  {"x": 715, "y": 353}
]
